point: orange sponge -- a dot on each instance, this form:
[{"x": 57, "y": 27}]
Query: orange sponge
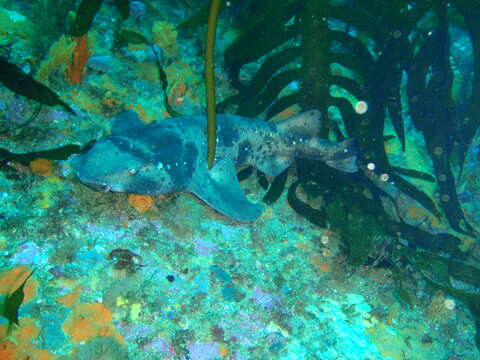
[
  {"x": 41, "y": 167},
  {"x": 140, "y": 202},
  {"x": 76, "y": 70},
  {"x": 88, "y": 321},
  {"x": 21, "y": 346},
  {"x": 71, "y": 298},
  {"x": 10, "y": 280}
]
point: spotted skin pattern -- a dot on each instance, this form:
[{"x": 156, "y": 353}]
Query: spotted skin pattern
[{"x": 170, "y": 156}]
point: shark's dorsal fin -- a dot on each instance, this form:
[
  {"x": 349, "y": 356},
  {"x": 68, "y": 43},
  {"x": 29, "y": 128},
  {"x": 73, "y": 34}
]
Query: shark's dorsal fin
[
  {"x": 125, "y": 120},
  {"x": 307, "y": 123},
  {"x": 219, "y": 188}
]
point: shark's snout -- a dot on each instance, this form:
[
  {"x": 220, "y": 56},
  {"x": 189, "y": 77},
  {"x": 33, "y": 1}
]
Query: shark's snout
[{"x": 78, "y": 163}]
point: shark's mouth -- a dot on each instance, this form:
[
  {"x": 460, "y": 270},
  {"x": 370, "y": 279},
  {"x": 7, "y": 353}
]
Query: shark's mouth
[
  {"x": 78, "y": 163},
  {"x": 103, "y": 188}
]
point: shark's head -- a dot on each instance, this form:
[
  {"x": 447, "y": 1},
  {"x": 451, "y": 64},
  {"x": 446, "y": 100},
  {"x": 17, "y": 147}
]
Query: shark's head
[
  {"x": 121, "y": 163},
  {"x": 106, "y": 167}
]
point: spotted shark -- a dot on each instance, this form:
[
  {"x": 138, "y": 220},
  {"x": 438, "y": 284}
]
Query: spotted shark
[{"x": 170, "y": 156}]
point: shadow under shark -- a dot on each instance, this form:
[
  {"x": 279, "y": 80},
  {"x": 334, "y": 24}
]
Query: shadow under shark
[{"x": 170, "y": 156}]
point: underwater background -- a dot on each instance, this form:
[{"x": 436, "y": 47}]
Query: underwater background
[{"x": 378, "y": 264}]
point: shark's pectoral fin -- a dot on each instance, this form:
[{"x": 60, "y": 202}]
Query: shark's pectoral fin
[
  {"x": 219, "y": 188},
  {"x": 274, "y": 165}
]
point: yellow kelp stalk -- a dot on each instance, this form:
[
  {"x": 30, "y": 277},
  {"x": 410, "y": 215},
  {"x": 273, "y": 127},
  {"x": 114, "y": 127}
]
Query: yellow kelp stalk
[{"x": 210, "y": 81}]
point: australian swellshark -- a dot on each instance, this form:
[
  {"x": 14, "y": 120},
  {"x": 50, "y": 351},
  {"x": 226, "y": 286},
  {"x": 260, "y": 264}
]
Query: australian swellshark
[{"x": 170, "y": 155}]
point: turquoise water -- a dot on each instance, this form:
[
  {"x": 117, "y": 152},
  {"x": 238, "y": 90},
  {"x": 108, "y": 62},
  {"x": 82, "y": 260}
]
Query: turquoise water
[{"x": 295, "y": 244}]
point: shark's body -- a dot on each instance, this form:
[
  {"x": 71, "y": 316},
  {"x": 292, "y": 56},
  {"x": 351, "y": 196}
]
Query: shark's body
[{"x": 170, "y": 156}]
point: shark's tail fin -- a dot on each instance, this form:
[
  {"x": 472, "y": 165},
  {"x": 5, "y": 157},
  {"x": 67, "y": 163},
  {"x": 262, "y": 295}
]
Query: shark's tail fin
[
  {"x": 341, "y": 156},
  {"x": 344, "y": 156},
  {"x": 304, "y": 130}
]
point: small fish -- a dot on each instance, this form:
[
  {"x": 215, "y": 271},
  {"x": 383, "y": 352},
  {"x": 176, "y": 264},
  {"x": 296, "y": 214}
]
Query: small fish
[{"x": 170, "y": 156}]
